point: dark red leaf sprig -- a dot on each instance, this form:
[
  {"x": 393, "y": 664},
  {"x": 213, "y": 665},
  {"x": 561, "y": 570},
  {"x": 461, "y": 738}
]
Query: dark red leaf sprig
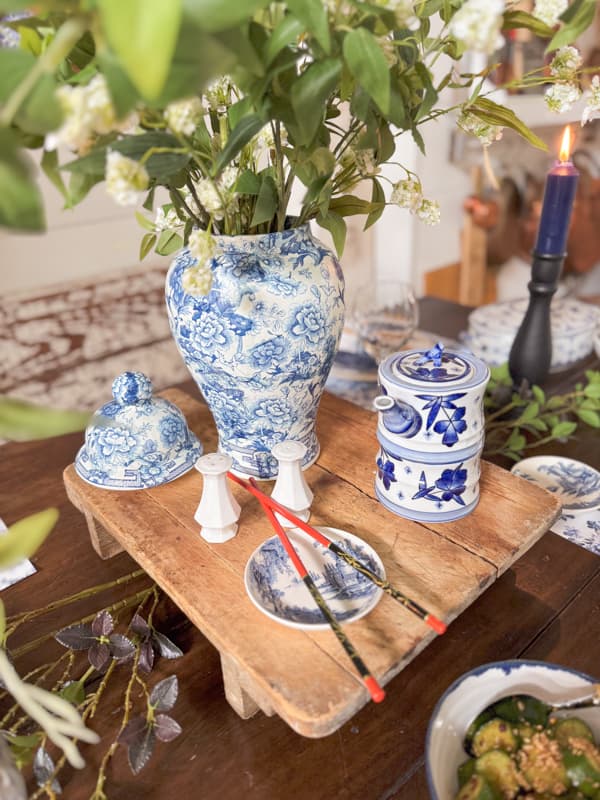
[
  {"x": 99, "y": 640},
  {"x": 151, "y": 641},
  {"x": 141, "y": 733}
]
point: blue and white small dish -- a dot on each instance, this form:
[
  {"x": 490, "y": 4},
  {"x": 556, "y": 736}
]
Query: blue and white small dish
[
  {"x": 577, "y": 485},
  {"x": 580, "y": 527},
  {"x": 136, "y": 441},
  {"x": 476, "y": 690},
  {"x": 275, "y": 588}
]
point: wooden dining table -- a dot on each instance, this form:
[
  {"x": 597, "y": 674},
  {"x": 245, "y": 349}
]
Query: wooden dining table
[{"x": 545, "y": 606}]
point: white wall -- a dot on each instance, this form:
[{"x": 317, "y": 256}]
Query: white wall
[{"x": 96, "y": 237}]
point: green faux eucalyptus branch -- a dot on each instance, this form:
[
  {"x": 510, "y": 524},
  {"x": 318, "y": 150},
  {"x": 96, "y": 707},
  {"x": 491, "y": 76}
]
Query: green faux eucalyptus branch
[{"x": 517, "y": 422}]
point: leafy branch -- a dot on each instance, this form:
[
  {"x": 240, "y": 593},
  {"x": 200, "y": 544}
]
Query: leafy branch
[{"x": 517, "y": 422}]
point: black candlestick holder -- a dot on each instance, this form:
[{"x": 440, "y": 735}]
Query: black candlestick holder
[{"x": 531, "y": 353}]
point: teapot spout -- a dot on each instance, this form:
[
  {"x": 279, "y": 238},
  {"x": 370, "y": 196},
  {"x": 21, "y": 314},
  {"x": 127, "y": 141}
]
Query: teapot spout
[{"x": 398, "y": 417}]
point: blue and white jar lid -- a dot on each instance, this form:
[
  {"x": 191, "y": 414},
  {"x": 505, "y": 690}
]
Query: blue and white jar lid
[
  {"x": 136, "y": 441},
  {"x": 414, "y": 368}
]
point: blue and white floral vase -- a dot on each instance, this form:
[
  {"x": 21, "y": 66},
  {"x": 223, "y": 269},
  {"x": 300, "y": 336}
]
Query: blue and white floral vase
[{"x": 261, "y": 343}]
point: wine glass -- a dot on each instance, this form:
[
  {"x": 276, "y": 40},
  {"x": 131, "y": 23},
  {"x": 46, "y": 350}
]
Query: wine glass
[{"x": 384, "y": 315}]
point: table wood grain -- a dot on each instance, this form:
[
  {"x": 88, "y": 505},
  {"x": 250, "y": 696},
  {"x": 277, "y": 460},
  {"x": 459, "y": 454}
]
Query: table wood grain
[{"x": 544, "y": 606}]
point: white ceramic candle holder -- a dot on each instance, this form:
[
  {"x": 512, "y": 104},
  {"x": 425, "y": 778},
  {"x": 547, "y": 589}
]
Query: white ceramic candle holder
[
  {"x": 291, "y": 488},
  {"x": 218, "y": 510}
]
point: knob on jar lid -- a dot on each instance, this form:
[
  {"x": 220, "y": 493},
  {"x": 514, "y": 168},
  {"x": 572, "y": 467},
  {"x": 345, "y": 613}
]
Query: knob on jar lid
[
  {"x": 132, "y": 387},
  {"x": 437, "y": 365}
]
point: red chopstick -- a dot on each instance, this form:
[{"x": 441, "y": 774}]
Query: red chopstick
[
  {"x": 430, "y": 619},
  {"x": 375, "y": 690}
]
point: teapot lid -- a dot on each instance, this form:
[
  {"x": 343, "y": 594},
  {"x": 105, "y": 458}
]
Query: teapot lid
[{"x": 438, "y": 365}]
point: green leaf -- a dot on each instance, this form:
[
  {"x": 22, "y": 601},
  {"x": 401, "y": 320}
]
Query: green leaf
[
  {"x": 323, "y": 161},
  {"x": 578, "y": 17},
  {"x": 219, "y": 15},
  {"x": 591, "y": 418},
  {"x": 313, "y": 15},
  {"x": 146, "y": 245},
  {"x": 40, "y": 112},
  {"x": 168, "y": 243},
  {"x": 23, "y": 538},
  {"x": 514, "y": 20},
  {"x": 80, "y": 186},
  {"x": 539, "y": 394},
  {"x": 564, "y": 429},
  {"x": 21, "y": 421},
  {"x": 285, "y": 33},
  {"x": 143, "y": 34},
  {"x": 248, "y": 183},
  {"x": 378, "y": 202},
  {"x": 530, "y": 412},
  {"x": 336, "y": 225},
  {"x": 21, "y": 205},
  {"x": 73, "y": 692},
  {"x": 49, "y": 164},
  {"x": 536, "y": 425},
  {"x": 516, "y": 441},
  {"x": 366, "y": 61},
  {"x": 348, "y": 205},
  {"x": 123, "y": 93},
  {"x": 160, "y": 166},
  {"x": 310, "y": 94},
  {"x": 496, "y": 114},
  {"x": 592, "y": 390},
  {"x": 239, "y": 137},
  {"x": 266, "y": 202},
  {"x": 198, "y": 58},
  {"x": 144, "y": 222}
]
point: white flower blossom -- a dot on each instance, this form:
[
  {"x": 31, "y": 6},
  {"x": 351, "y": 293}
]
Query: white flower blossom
[
  {"x": 197, "y": 280},
  {"x": 366, "y": 163},
  {"x": 407, "y": 194},
  {"x": 404, "y": 11},
  {"x": 484, "y": 131},
  {"x": 201, "y": 245},
  {"x": 592, "y": 108},
  {"x": 561, "y": 96},
  {"x": 164, "y": 221},
  {"x": 565, "y": 63},
  {"x": 218, "y": 93},
  {"x": 477, "y": 25},
  {"x": 183, "y": 115},
  {"x": 88, "y": 111},
  {"x": 429, "y": 212},
  {"x": 549, "y": 11},
  {"x": 126, "y": 179},
  {"x": 209, "y": 198}
]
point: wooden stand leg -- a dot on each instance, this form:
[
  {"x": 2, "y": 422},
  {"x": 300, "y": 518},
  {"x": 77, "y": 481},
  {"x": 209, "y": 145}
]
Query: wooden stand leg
[
  {"x": 103, "y": 543},
  {"x": 237, "y": 686}
]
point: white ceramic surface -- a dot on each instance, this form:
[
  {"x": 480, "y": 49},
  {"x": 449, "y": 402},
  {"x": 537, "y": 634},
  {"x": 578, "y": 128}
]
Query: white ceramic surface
[
  {"x": 492, "y": 329},
  {"x": 476, "y": 690},
  {"x": 580, "y": 527},
  {"x": 577, "y": 485},
  {"x": 274, "y": 587},
  {"x": 597, "y": 342}
]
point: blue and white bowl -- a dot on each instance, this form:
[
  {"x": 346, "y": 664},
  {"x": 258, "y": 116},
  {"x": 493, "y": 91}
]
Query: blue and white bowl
[
  {"x": 136, "y": 441},
  {"x": 479, "y": 688}
]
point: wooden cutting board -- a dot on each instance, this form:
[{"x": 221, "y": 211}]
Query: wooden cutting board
[{"x": 305, "y": 677}]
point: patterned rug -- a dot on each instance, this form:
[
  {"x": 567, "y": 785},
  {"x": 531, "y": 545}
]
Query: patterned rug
[{"x": 63, "y": 346}]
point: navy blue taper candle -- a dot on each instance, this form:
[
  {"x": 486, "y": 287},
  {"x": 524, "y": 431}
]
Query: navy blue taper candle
[{"x": 531, "y": 352}]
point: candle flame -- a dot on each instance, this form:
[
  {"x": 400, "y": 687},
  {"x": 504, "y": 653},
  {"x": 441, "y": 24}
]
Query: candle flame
[{"x": 565, "y": 146}]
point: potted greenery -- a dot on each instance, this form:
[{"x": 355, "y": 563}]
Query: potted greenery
[{"x": 316, "y": 94}]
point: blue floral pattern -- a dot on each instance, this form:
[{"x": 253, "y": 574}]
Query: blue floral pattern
[
  {"x": 449, "y": 486},
  {"x": 268, "y": 332},
  {"x": 136, "y": 441},
  {"x": 386, "y": 470},
  {"x": 454, "y": 424}
]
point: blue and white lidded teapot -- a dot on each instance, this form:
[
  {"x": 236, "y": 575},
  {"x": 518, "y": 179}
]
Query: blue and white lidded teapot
[{"x": 430, "y": 431}]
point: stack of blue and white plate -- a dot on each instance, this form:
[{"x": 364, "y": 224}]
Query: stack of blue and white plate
[{"x": 492, "y": 330}]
